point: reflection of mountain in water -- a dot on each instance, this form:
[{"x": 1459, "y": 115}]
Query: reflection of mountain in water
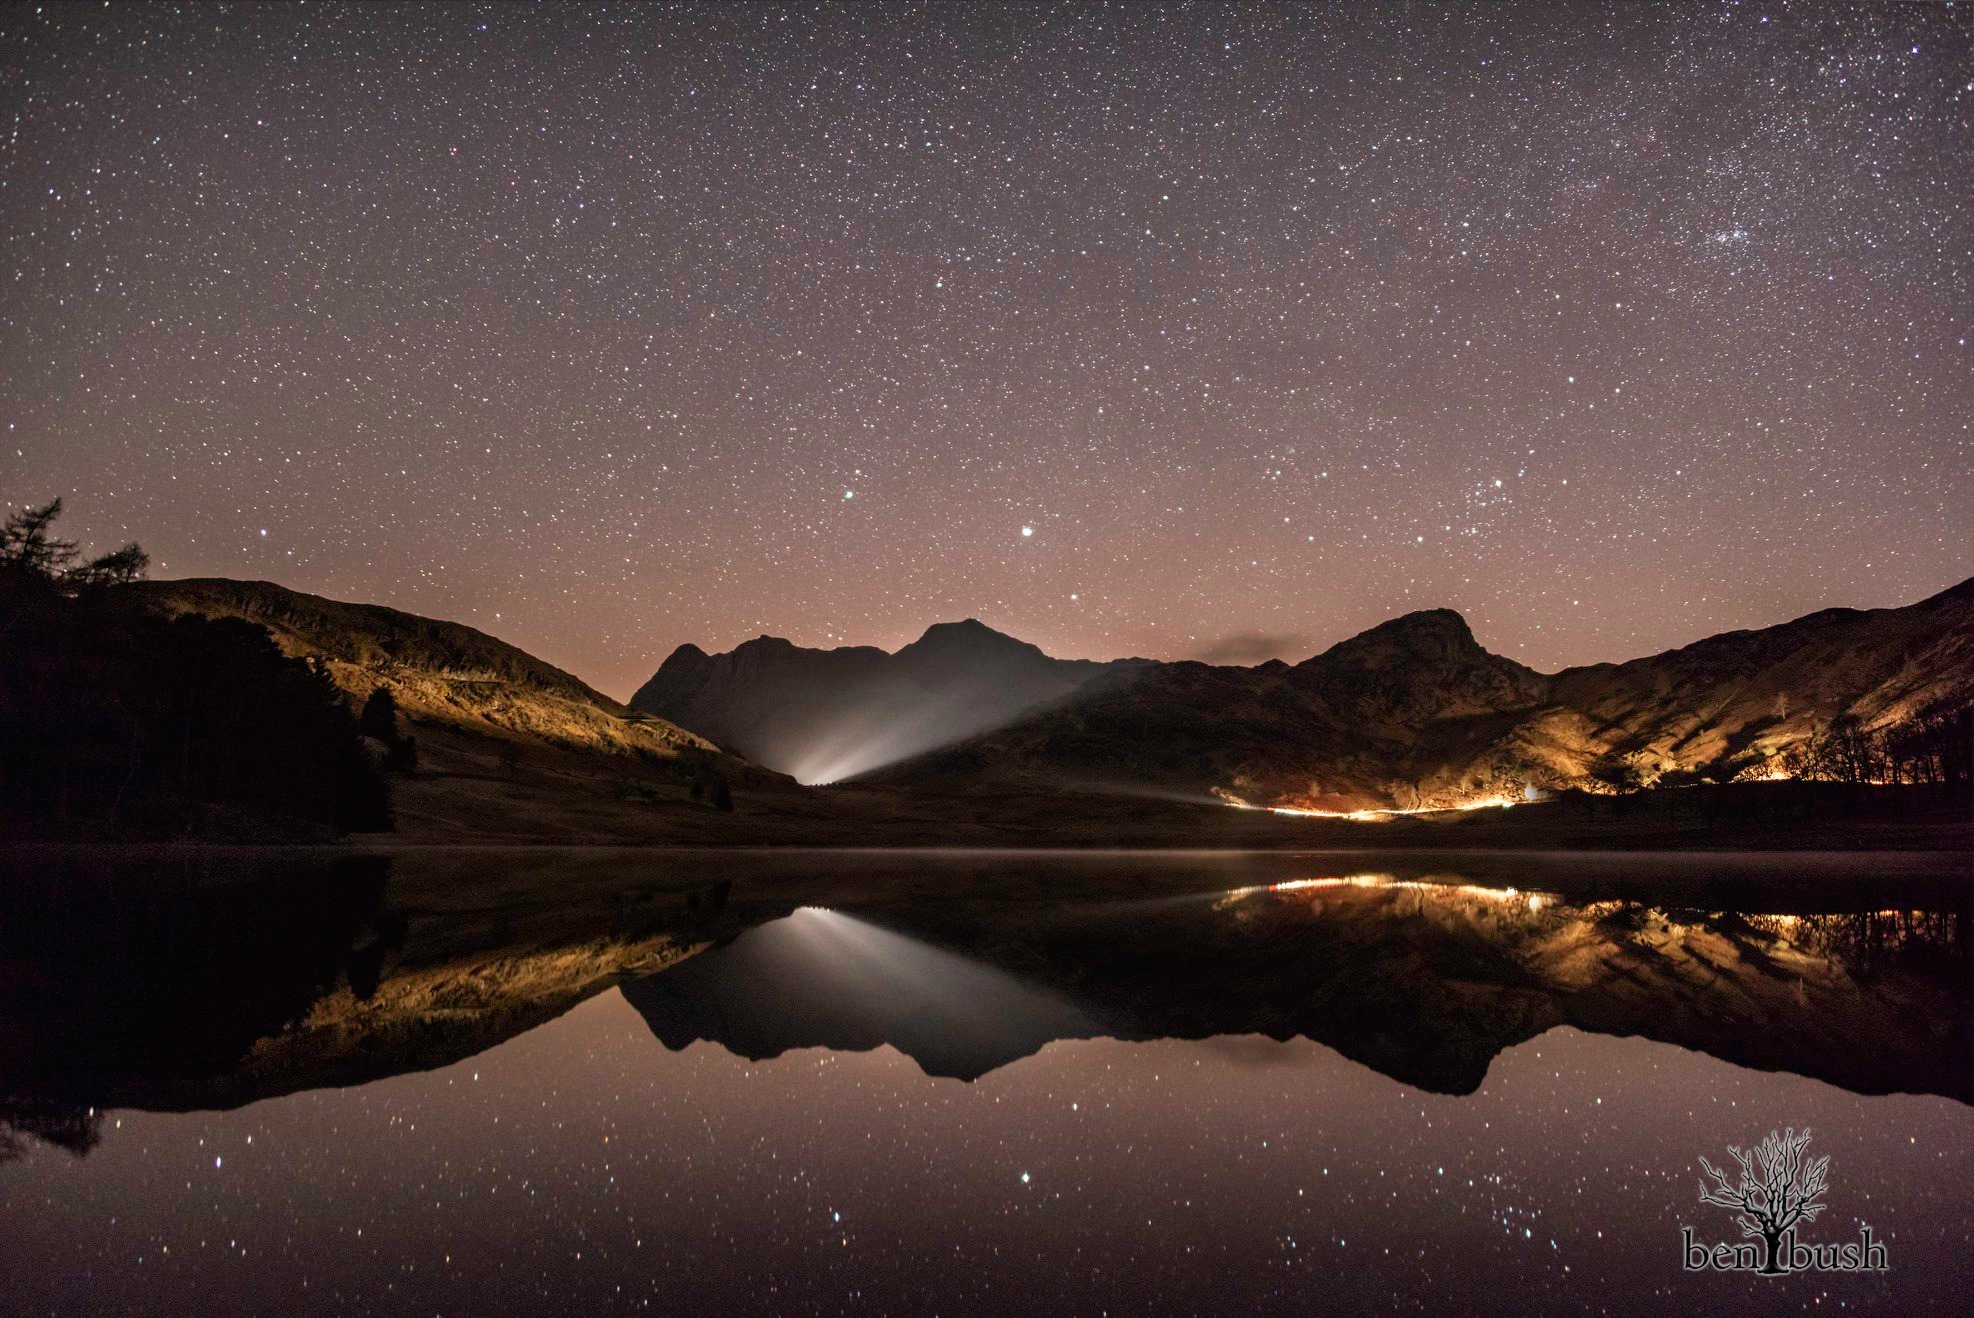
[
  {"x": 822, "y": 979},
  {"x": 1425, "y": 982},
  {"x": 211, "y": 980},
  {"x": 200, "y": 982}
]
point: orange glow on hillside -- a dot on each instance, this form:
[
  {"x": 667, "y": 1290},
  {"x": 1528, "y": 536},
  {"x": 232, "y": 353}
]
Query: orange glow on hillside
[{"x": 1485, "y": 803}]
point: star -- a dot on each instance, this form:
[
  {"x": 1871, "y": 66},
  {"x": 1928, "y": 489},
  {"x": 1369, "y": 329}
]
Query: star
[{"x": 592, "y": 349}]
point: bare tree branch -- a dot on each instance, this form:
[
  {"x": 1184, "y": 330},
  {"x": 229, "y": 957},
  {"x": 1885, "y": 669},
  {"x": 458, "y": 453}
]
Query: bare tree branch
[{"x": 1784, "y": 1192}]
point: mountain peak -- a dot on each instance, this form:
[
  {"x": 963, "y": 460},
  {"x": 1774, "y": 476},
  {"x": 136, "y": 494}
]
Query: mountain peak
[
  {"x": 964, "y": 629},
  {"x": 686, "y": 656},
  {"x": 1430, "y": 622},
  {"x": 764, "y": 644},
  {"x": 967, "y": 636},
  {"x": 1428, "y": 619},
  {"x": 826, "y": 715},
  {"x": 1427, "y": 634}
]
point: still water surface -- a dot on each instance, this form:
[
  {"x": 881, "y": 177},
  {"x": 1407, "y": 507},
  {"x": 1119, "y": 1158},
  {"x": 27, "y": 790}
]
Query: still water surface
[{"x": 1075, "y": 1107}]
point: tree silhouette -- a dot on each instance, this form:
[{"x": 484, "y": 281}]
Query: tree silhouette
[
  {"x": 29, "y": 547},
  {"x": 111, "y": 569},
  {"x": 119, "y": 721},
  {"x": 379, "y": 722},
  {"x": 1930, "y": 748},
  {"x": 1768, "y": 1206},
  {"x": 379, "y": 719},
  {"x": 28, "y": 543}
]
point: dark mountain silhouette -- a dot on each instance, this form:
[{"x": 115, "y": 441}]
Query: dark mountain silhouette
[
  {"x": 822, "y": 715},
  {"x": 242, "y": 974},
  {"x": 1426, "y": 981},
  {"x": 1416, "y": 714}
]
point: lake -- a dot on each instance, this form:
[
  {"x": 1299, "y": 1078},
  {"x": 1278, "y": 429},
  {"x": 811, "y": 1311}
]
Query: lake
[{"x": 506, "y": 1082}]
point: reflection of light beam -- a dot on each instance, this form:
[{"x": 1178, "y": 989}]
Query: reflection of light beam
[{"x": 821, "y": 978}]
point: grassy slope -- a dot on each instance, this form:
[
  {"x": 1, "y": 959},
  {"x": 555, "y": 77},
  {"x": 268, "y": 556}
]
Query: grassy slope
[{"x": 442, "y": 673}]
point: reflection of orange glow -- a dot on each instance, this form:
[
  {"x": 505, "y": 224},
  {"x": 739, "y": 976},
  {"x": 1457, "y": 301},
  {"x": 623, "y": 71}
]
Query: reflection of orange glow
[
  {"x": 1293, "y": 884},
  {"x": 1485, "y": 803},
  {"x": 1534, "y": 900}
]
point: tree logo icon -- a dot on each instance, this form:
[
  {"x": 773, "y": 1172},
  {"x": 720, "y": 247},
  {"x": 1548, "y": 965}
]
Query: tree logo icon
[{"x": 1778, "y": 1190}]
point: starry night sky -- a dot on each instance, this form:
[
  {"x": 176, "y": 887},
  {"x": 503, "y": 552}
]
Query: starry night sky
[
  {"x": 582, "y": 1168},
  {"x": 1174, "y": 332}
]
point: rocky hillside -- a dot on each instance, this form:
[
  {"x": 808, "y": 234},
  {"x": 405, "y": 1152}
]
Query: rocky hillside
[
  {"x": 823, "y": 715},
  {"x": 442, "y": 673},
  {"x": 1415, "y": 714}
]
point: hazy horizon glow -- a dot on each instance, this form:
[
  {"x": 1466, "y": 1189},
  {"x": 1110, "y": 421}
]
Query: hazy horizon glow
[{"x": 1145, "y": 331}]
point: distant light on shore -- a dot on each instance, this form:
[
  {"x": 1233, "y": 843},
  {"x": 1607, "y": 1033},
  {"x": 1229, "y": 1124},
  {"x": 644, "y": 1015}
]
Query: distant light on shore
[{"x": 1485, "y": 803}]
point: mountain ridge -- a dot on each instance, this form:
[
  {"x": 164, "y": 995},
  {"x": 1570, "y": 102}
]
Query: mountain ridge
[
  {"x": 1411, "y": 714},
  {"x": 1415, "y": 714},
  {"x": 823, "y": 715}
]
